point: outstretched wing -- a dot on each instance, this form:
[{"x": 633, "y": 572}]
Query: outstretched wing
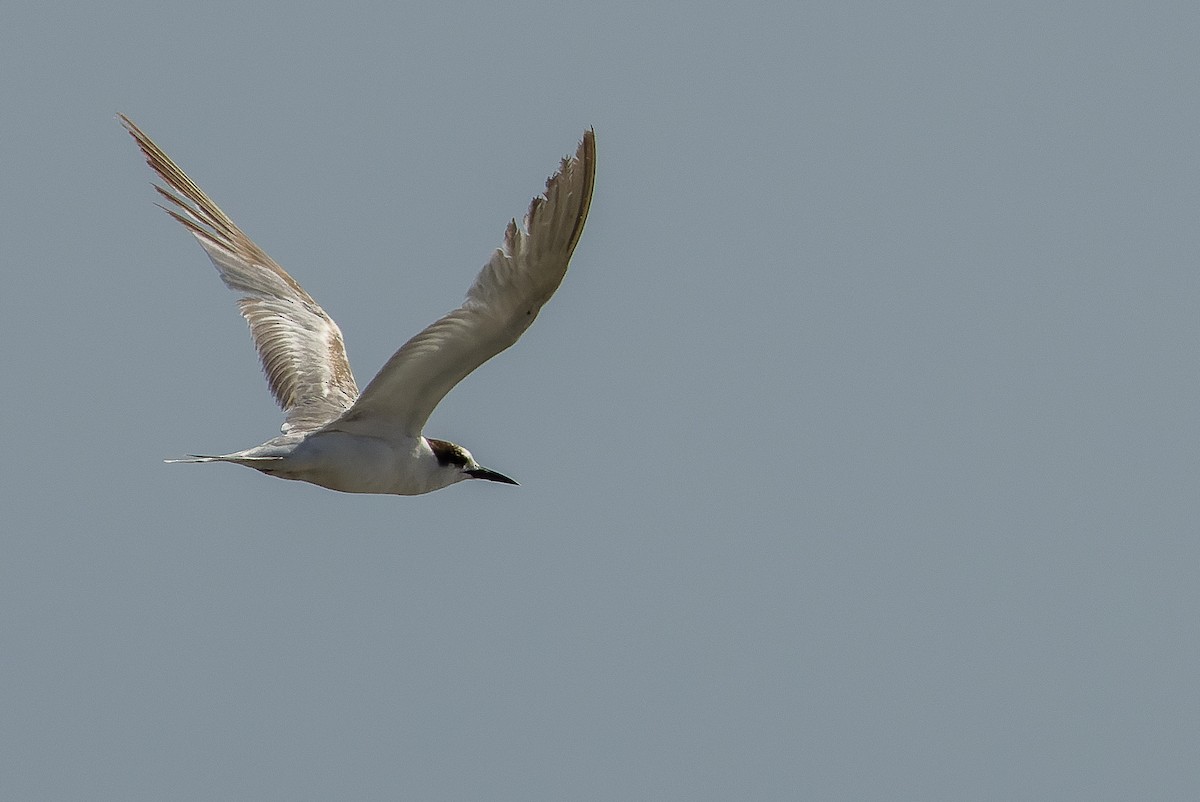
[
  {"x": 300, "y": 346},
  {"x": 501, "y": 304}
]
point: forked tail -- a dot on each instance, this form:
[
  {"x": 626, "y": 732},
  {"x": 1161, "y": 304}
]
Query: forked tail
[{"x": 234, "y": 458}]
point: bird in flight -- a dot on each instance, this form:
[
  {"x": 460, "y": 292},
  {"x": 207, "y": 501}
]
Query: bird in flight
[{"x": 372, "y": 442}]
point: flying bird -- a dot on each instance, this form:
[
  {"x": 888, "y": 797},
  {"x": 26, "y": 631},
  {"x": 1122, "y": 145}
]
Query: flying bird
[{"x": 372, "y": 442}]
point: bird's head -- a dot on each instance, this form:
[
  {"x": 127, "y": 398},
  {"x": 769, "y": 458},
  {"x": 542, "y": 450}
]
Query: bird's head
[{"x": 459, "y": 462}]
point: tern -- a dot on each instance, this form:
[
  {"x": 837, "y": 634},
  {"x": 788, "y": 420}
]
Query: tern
[{"x": 372, "y": 442}]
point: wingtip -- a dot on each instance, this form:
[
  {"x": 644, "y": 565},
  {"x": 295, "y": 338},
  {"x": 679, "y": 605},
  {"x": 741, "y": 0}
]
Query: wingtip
[{"x": 130, "y": 127}]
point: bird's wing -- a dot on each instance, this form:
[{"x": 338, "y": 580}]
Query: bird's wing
[
  {"x": 502, "y": 303},
  {"x": 299, "y": 345}
]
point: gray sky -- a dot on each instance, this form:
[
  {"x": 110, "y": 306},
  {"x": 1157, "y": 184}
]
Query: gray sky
[{"x": 858, "y": 449}]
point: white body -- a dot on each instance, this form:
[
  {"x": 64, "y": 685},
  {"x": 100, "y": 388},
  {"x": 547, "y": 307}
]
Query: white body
[
  {"x": 372, "y": 442},
  {"x": 350, "y": 463}
]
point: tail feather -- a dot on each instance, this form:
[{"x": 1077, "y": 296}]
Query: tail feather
[{"x": 240, "y": 459}]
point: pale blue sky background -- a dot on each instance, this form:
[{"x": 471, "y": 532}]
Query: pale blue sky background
[{"x": 858, "y": 450}]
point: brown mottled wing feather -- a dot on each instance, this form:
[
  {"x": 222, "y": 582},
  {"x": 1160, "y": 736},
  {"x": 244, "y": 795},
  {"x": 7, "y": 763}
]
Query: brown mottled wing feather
[
  {"x": 300, "y": 346},
  {"x": 501, "y": 304}
]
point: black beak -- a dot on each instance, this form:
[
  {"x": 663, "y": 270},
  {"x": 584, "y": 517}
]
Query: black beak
[{"x": 492, "y": 476}]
